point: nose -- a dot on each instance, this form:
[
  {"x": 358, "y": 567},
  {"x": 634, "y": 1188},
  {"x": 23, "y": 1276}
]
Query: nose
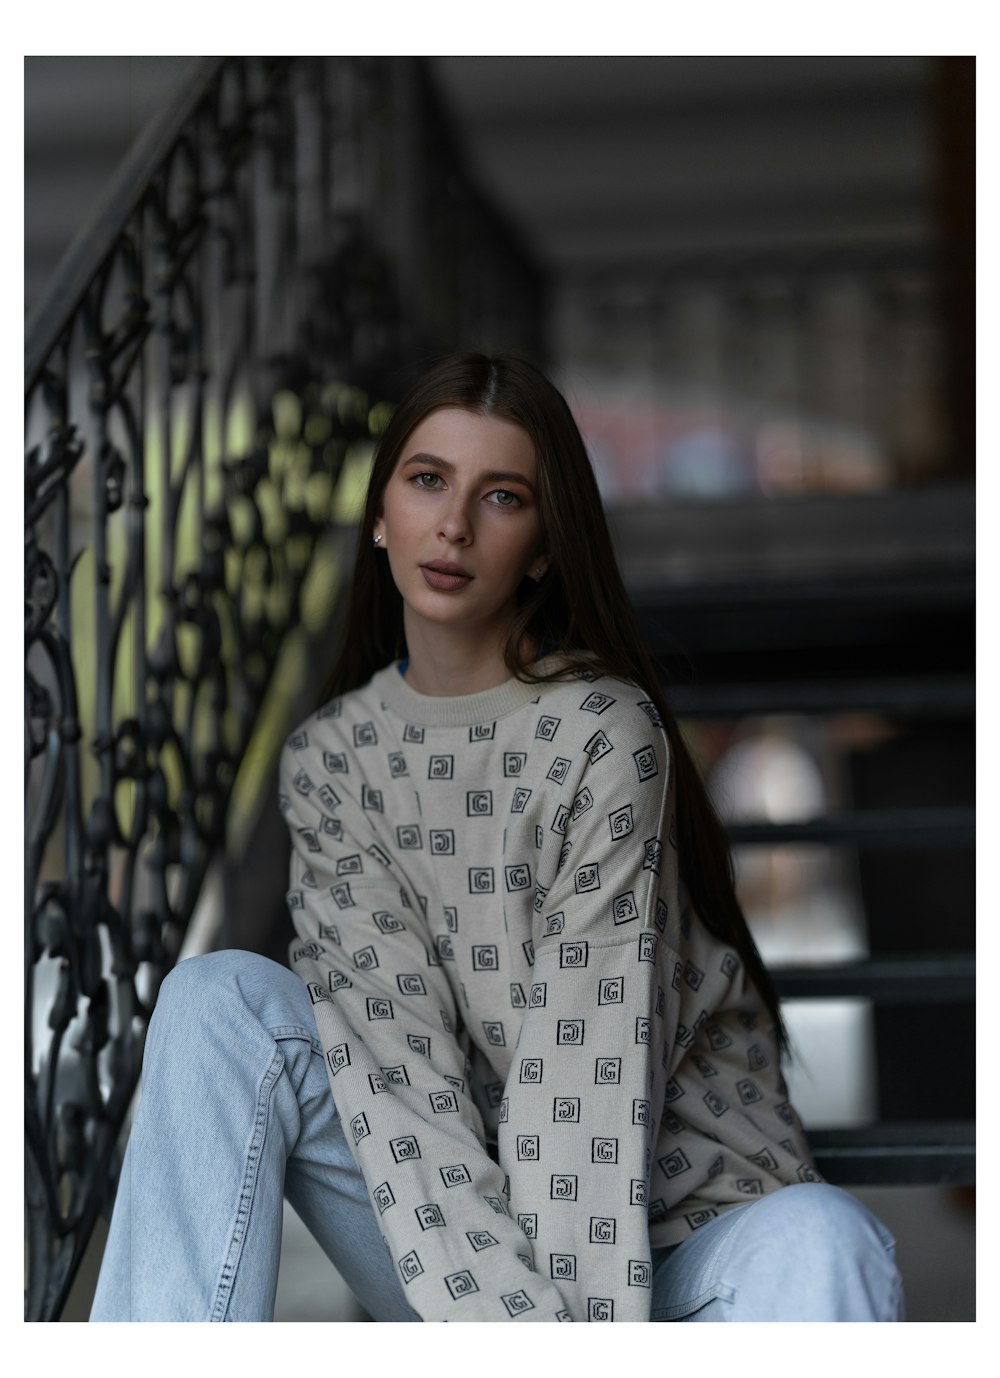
[{"x": 456, "y": 526}]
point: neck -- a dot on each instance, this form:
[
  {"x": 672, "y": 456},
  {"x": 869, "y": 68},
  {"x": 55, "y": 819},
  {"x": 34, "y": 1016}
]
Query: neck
[{"x": 448, "y": 662}]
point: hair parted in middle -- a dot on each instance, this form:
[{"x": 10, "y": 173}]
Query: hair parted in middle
[
  {"x": 580, "y": 609},
  {"x": 555, "y": 612}
]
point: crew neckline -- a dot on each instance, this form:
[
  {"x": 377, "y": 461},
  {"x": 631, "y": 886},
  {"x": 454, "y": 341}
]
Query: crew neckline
[{"x": 458, "y": 710}]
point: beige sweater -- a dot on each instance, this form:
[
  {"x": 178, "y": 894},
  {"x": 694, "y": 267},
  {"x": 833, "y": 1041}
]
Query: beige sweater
[{"x": 544, "y": 1062}]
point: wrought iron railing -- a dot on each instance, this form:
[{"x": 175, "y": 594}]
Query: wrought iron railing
[{"x": 213, "y": 356}]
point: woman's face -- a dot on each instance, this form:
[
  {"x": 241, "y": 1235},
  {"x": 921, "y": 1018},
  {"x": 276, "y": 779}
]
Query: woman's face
[{"x": 460, "y": 521}]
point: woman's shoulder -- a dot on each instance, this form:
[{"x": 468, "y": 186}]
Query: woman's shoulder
[
  {"x": 589, "y": 707},
  {"x": 587, "y": 689},
  {"x": 350, "y": 718}
]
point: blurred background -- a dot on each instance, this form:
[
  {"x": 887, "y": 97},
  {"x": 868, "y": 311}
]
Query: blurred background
[{"x": 753, "y": 278}]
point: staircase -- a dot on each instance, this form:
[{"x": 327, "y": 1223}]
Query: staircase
[{"x": 153, "y": 719}]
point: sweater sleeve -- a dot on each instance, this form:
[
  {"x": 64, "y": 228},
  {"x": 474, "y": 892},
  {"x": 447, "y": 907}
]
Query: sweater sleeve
[
  {"x": 586, "y": 1089},
  {"x": 389, "y": 1026}
]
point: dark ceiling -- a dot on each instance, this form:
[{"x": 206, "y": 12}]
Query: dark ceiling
[{"x": 596, "y": 160}]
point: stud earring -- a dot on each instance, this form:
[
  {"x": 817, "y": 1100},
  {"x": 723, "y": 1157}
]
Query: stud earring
[{"x": 376, "y": 540}]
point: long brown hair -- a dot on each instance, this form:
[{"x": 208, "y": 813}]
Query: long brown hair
[{"x": 580, "y": 608}]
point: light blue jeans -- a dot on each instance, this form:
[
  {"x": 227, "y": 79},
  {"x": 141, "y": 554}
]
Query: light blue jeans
[{"x": 236, "y": 1112}]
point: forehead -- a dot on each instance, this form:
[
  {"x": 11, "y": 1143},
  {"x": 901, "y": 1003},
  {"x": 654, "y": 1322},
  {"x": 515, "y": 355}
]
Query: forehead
[{"x": 470, "y": 440}]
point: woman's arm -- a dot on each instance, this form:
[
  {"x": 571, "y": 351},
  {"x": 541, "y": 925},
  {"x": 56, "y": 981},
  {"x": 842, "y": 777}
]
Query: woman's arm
[
  {"x": 388, "y": 1023},
  {"x": 585, "y": 1093}
]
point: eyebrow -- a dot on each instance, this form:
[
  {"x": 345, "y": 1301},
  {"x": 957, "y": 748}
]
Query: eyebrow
[{"x": 494, "y": 476}]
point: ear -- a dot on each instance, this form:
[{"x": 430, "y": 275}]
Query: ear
[
  {"x": 539, "y": 567},
  {"x": 379, "y": 527}
]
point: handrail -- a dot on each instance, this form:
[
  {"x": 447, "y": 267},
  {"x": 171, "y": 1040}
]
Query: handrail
[
  {"x": 218, "y": 347},
  {"x": 65, "y": 289}
]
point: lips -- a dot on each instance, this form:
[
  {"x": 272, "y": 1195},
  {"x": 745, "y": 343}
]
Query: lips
[
  {"x": 447, "y": 567},
  {"x": 445, "y": 576}
]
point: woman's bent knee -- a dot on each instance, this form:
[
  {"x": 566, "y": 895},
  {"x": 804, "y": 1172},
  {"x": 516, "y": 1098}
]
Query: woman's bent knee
[
  {"x": 820, "y": 1212},
  {"x": 831, "y": 1238},
  {"x": 231, "y": 988},
  {"x": 197, "y": 979}
]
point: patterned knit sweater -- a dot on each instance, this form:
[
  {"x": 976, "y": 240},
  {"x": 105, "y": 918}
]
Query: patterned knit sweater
[{"x": 544, "y": 1063}]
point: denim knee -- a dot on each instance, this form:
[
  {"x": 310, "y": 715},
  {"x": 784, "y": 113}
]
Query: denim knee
[
  {"x": 829, "y": 1236},
  {"x": 234, "y": 990},
  {"x": 809, "y": 1251},
  {"x": 195, "y": 977},
  {"x": 824, "y": 1215},
  {"x": 197, "y": 982}
]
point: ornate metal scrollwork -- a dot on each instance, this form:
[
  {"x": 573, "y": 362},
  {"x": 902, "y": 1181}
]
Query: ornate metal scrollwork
[
  {"x": 187, "y": 423},
  {"x": 158, "y": 588}
]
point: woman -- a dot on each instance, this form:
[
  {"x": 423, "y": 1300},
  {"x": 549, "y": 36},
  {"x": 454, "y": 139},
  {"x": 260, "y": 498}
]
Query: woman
[{"x": 520, "y": 968}]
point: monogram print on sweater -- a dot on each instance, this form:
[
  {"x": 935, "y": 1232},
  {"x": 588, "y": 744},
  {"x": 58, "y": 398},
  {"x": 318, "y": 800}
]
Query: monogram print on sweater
[{"x": 543, "y": 1061}]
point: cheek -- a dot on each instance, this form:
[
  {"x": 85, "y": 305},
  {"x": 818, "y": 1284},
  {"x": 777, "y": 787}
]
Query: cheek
[
  {"x": 394, "y": 514},
  {"x": 531, "y": 546},
  {"x": 521, "y": 557}
]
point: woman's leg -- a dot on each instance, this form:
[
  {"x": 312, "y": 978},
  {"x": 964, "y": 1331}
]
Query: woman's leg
[
  {"x": 235, "y": 1106},
  {"x": 808, "y": 1252}
]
